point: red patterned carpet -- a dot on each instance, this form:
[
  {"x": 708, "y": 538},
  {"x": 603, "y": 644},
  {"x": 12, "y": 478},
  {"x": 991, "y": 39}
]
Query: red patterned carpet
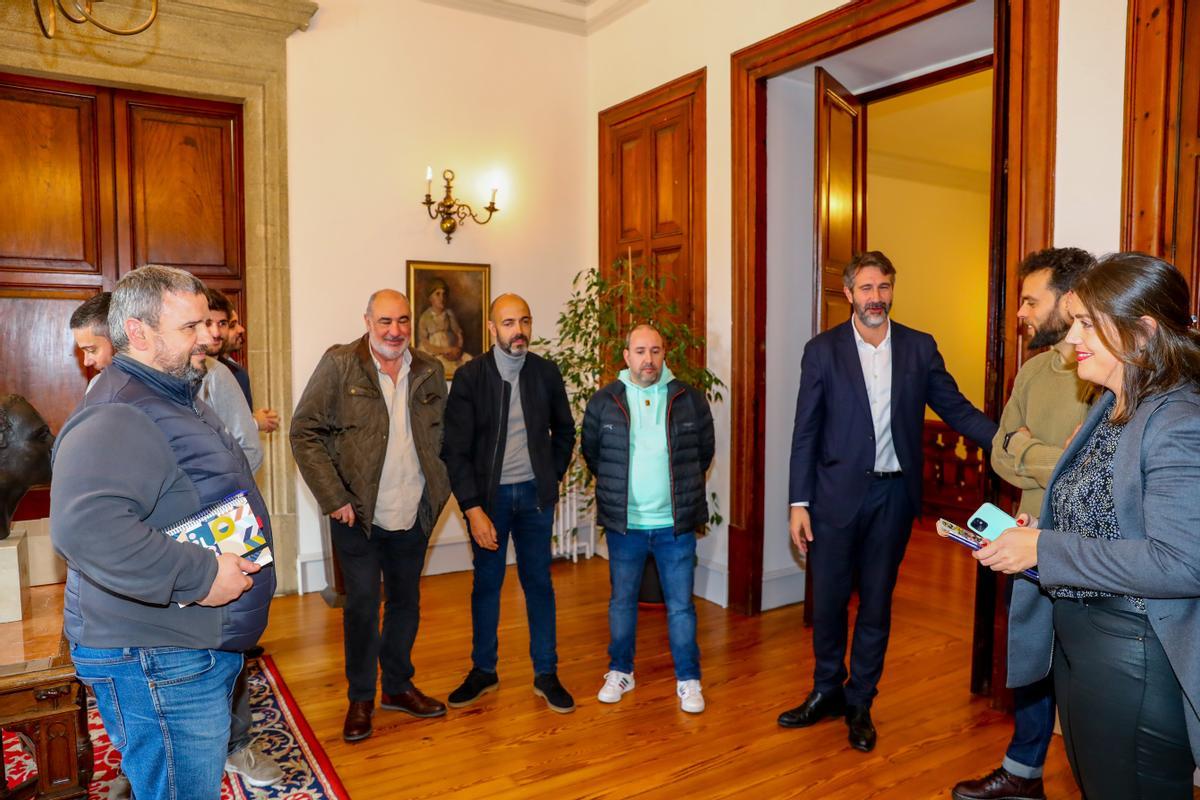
[{"x": 281, "y": 731}]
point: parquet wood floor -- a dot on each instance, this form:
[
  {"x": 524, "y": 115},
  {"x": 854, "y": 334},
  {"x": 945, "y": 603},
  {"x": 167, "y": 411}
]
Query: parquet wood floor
[{"x": 932, "y": 732}]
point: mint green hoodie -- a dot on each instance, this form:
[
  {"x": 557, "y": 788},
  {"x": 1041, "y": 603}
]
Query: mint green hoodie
[{"x": 649, "y": 459}]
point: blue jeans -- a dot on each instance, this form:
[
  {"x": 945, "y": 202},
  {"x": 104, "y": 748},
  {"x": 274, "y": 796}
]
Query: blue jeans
[
  {"x": 516, "y": 513},
  {"x": 1033, "y": 711},
  {"x": 675, "y": 556},
  {"x": 166, "y": 709}
]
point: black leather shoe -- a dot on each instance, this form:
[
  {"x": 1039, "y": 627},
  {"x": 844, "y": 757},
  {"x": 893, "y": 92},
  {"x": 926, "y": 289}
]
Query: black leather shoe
[
  {"x": 816, "y": 707},
  {"x": 862, "y": 732},
  {"x": 1000, "y": 784},
  {"x": 475, "y": 685}
]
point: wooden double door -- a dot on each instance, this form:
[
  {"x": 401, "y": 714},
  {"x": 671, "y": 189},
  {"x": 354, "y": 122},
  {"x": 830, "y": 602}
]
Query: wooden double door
[{"x": 95, "y": 182}]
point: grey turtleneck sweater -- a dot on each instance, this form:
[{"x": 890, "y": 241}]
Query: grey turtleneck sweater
[{"x": 517, "y": 467}]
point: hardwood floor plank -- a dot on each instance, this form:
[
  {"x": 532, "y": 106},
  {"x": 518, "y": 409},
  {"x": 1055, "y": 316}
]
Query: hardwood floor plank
[{"x": 508, "y": 746}]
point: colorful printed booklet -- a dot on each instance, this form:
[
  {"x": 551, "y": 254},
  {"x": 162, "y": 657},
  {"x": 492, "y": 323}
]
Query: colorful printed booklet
[{"x": 229, "y": 526}]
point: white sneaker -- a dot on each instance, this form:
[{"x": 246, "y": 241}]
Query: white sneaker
[
  {"x": 690, "y": 698},
  {"x": 256, "y": 768},
  {"x": 616, "y": 684}
]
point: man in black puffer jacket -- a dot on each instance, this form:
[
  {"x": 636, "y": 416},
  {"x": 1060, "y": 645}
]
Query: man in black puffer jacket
[
  {"x": 648, "y": 439},
  {"x": 156, "y": 626}
]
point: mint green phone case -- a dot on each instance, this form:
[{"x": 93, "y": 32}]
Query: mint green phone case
[{"x": 989, "y": 521}]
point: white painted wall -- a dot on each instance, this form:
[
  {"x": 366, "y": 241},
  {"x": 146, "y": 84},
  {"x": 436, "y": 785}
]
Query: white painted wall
[
  {"x": 1091, "y": 102},
  {"x": 377, "y": 90},
  {"x": 790, "y": 132}
]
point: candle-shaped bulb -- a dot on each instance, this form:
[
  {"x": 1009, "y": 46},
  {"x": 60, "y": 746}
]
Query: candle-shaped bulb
[
  {"x": 493, "y": 195},
  {"x": 429, "y": 180}
]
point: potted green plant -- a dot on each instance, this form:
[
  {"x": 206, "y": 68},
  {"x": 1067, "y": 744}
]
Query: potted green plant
[{"x": 591, "y": 338}]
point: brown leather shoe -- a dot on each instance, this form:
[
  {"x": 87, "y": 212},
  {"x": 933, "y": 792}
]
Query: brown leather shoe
[
  {"x": 1000, "y": 784},
  {"x": 358, "y": 720},
  {"x": 414, "y": 702}
]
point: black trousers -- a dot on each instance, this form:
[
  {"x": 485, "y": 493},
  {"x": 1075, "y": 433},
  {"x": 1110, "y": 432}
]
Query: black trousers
[
  {"x": 397, "y": 556},
  {"x": 1120, "y": 704},
  {"x": 866, "y": 553}
]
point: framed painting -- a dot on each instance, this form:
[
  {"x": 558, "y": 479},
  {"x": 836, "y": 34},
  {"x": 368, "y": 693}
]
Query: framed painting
[{"x": 450, "y": 307}]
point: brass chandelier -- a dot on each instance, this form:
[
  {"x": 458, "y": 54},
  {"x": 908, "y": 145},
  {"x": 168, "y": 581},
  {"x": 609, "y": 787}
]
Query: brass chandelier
[{"x": 79, "y": 12}]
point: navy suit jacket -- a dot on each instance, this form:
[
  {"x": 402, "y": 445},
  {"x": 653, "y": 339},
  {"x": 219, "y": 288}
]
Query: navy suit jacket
[{"x": 833, "y": 441}]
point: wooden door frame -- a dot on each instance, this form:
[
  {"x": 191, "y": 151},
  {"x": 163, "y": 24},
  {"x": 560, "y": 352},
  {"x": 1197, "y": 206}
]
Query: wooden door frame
[
  {"x": 1026, "y": 60},
  {"x": 1149, "y": 173},
  {"x": 692, "y": 85}
]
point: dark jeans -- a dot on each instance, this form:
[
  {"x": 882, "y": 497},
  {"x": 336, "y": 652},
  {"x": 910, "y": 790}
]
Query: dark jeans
[
  {"x": 399, "y": 556},
  {"x": 516, "y": 513},
  {"x": 1033, "y": 728},
  {"x": 240, "y": 715},
  {"x": 868, "y": 553},
  {"x": 675, "y": 557},
  {"x": 1121, "y": 706}
]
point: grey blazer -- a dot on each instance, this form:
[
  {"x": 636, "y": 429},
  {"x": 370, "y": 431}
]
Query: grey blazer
[{"x": 1156, "y": 492}]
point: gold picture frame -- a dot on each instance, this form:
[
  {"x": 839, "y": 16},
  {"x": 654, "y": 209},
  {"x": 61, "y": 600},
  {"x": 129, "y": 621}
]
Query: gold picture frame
[{"x": 457, "y": 331}]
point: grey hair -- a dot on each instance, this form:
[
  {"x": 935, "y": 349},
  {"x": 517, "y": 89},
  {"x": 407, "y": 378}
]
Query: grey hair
[{"x": 139, "y": 295}]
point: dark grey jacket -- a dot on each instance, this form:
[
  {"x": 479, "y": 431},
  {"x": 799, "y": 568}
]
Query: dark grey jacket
[
  {"x": 690, "y": 441},
  {"x": 1156, "y": 472},
  {"x": 340, "y": 429},
  {"x": 139, "y": 455}
]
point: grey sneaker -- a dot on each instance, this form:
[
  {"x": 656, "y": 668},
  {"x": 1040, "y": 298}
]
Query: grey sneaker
[
  {"x": 119, "y": 788},
  {"x": 254, "y": 768}
]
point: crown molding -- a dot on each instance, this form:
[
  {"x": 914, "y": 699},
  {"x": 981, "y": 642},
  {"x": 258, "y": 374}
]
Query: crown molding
[{"x": 577, "y": 17}]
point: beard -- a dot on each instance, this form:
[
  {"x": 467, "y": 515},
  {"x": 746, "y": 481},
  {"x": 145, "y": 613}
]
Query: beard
[
  {"x": 390, "y": 349},
  {"x": 519, "y": 343},
  {"x": 860, "y": 311},
  {"x": 180, "y": 365},
  {"x": 1049, "y": 334}
]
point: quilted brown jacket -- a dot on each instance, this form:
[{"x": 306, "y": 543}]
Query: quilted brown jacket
[{"x": 340, "y": 428}]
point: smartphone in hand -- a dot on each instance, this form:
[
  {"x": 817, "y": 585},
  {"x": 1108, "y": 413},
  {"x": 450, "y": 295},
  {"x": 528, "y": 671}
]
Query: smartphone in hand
[{"x": 989, "y": 521}]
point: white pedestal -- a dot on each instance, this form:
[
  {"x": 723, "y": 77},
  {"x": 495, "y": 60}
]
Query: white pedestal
[
  {"x": 45, "y": 565},
  {"x": 14, "y": 577}
]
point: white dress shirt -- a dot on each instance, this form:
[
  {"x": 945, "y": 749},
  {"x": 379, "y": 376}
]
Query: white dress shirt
[
  {"x": 877, "y": 372},
  {"x": 401, "y": 483},
  {"x": 876, "y": 363}
]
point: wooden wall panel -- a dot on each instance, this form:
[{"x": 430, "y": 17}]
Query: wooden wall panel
[
  {"x": 182, "y": 202},
  {"x": 652, "y": 200},
  {"x": 49, "y": 202},
  {"x": 93, "y": 182},
  {"x": 40, "y": 359},
  {"x": 1161, "y": 191}
]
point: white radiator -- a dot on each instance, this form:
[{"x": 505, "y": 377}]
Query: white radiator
[{"x": 574, "y": 526}]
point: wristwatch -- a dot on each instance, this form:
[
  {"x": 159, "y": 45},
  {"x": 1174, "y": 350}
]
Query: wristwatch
[{"x": 1007, "y": 438}]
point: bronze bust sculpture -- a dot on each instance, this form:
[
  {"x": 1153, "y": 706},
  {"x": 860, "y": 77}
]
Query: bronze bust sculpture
[{"x": 25, "y": 444}]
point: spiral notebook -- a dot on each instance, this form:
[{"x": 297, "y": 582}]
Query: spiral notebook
[{"x": 229, "y": 526}]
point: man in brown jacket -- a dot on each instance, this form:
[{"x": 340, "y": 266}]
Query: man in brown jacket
[{"x": 366, "y": 435}]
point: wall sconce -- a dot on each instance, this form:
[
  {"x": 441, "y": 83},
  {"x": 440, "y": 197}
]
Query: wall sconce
[
  {"x": 450, "y": 211},
  {"x": 79, "y": 14}
]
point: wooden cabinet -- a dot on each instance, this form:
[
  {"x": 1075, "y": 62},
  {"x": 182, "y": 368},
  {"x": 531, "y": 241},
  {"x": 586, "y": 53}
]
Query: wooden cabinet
[{"x": 95, "y": 182}]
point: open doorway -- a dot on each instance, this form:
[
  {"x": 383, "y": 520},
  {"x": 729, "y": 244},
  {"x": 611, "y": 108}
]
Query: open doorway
[
  {"x": 1024, "y": 36},
  {"x": 886, "y": 146}
]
